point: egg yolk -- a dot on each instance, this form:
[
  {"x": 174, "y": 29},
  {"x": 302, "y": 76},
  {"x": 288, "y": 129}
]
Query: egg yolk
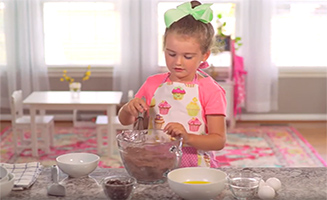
[{"x": 196, "y": 182}]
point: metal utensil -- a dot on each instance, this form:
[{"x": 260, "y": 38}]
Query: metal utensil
[
  {"x": 139, "y": 123},
  {"x": 56, "y": 189}
]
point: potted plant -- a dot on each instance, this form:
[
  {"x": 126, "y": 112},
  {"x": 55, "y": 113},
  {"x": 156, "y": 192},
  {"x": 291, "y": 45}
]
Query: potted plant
[
  {"x": 222, "y": 41},
  {"x": 75, "y": 86}
]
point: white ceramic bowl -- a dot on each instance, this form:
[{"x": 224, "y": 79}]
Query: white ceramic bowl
[
  {"x": 208, "y": 183},
  {"x": 3, "y": 174},
  {"x": 6, "y": 186},
  {"x": 78, "y": 164}
]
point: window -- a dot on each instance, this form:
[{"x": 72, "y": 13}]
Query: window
[
  {"x": 299, "y": 30},
  {"x": 2, "y": 36},
  {"x": 227, "y": 10},
  {"x": 81, "y": 33}
]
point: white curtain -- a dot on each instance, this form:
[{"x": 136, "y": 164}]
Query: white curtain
[
  {"x": 25, "y": 69},
  {"x": 139, "y": 49},
  {"x": 262, "y": 76}
]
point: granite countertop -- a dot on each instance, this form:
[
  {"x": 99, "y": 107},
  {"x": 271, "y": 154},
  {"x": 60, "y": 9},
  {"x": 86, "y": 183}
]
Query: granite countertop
[{"x": 297, "y": 183}]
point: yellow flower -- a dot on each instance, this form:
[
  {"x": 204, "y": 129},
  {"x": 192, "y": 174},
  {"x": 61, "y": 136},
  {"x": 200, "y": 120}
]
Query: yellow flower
[{"x": 86, "y": 76}]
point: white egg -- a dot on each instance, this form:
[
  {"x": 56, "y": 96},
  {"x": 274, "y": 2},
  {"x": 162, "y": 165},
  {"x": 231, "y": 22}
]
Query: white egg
[
  {"x": 274, "y": 183},
  {"x": 266, "y": 192}
]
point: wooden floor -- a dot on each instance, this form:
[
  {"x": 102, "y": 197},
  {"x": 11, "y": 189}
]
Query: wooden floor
[{"x": 314, "y": 132}]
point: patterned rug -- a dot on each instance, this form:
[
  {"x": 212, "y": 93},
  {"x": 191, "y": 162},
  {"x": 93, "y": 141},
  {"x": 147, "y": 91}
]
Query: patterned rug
[{"x": 266, "y": 146}]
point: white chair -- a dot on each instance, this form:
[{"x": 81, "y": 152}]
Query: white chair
[
  {"x": 101, "y": 123},
  {"x": 21, "y": 123}
]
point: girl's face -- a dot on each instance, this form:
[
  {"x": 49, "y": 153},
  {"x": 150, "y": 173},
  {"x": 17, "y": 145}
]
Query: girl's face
[{"x": 183, "y": 56}]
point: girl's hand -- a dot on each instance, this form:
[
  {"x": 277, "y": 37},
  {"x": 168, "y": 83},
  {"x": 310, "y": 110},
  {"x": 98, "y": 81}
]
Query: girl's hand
[
  {"x": 176, "y": 130},
  {"x": 135, "y": 106}
]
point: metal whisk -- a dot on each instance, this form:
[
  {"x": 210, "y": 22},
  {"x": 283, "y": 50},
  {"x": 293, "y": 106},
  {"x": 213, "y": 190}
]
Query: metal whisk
[{"x": 139, "y": 123}]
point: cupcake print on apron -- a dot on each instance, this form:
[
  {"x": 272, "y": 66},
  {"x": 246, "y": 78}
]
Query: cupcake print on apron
[{"x": 179, "y": 102}]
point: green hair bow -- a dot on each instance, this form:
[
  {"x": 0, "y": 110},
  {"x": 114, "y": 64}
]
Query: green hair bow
[{"x": 202, "y": 13}]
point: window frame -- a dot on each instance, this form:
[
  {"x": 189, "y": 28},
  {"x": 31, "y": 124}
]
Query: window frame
[
  {"x": 301, "y": 71},
  {"x": 107, "y": 70},
  {"x": 98, "y": 70}
]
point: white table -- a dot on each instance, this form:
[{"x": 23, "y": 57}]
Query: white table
[{"x": 63, "y": 100}]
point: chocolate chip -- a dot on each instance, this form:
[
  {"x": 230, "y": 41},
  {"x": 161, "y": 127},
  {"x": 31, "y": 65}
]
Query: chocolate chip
[{"x": 118, "y": 190}]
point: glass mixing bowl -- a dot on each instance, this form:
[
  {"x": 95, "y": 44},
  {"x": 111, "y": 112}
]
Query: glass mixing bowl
[{"x": 148, "y": 155}]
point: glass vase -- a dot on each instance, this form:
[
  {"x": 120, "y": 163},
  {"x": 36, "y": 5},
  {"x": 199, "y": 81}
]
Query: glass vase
[{"x": 75, "y": 88}]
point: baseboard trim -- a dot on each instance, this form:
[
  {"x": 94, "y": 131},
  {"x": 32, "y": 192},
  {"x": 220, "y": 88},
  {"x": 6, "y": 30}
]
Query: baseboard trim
[
  {"x": 245, "y": 117},
  {"x": 283, "y": 117}
]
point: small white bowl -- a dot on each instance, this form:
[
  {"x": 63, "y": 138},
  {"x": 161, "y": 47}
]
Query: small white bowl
[
  {"x": 3, "y": 174},
  {"x": 78, "y": 164},
  {"x": 208, "y": 183},
  {"x": 6, "y": 186}
]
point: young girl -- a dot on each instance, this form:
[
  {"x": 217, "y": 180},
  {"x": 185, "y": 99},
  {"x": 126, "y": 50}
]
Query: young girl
[{"x": 185, "y": 102}]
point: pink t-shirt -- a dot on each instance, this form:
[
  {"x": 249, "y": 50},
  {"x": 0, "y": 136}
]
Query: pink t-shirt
[{"x": 212, "y": 95}]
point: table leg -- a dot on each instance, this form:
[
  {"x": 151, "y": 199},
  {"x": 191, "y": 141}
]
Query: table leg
[
  {"x": 111, "y": 112},
  {"x": 75, "y": 118},
  {"x": 33, "y": 132}
]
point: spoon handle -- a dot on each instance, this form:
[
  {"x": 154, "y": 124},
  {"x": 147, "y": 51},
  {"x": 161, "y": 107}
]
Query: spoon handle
[{"x": 55, "y": 173}]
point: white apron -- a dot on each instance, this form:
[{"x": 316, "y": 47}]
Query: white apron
[{"x": 179, "y": 102}]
